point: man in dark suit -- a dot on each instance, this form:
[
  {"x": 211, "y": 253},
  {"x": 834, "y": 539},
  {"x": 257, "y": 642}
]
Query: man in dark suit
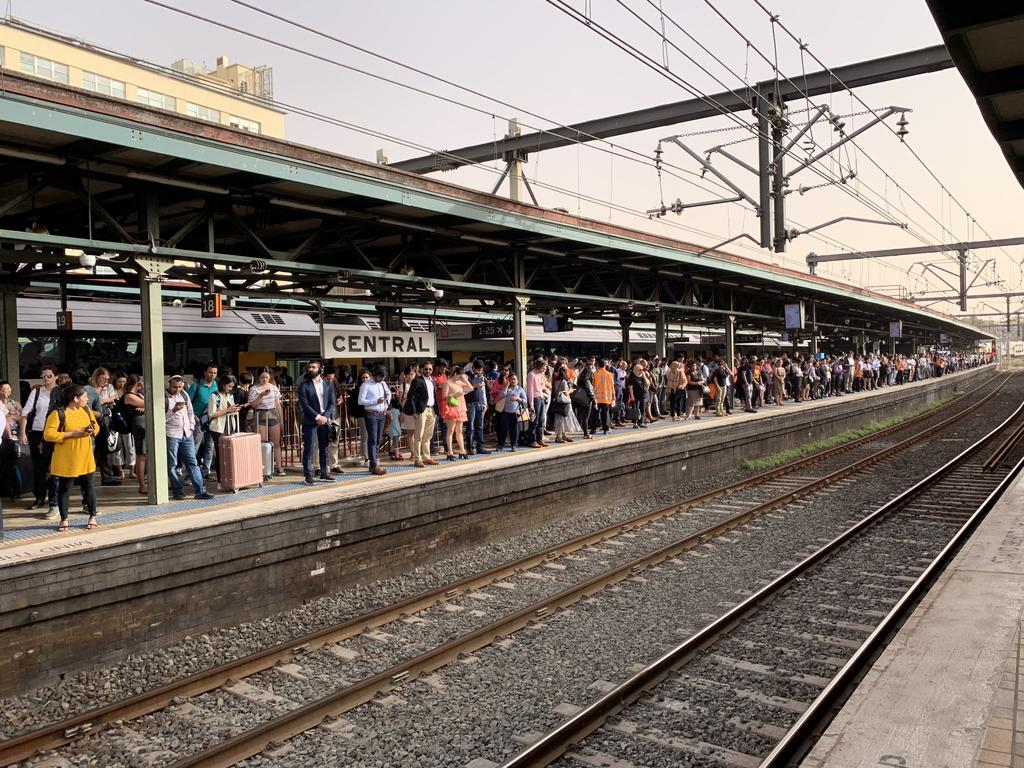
[{"x": 317, "y": 401}]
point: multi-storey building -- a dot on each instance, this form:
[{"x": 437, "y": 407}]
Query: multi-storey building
[{"x": 232, "y": 95}]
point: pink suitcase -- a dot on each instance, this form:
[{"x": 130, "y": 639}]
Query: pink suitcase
[{"x": 241, "y": 465}]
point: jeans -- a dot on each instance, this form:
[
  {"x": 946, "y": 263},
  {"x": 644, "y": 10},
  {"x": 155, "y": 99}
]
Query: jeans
[
  {"x": 320, "y": 431},
  {"x": 183, "y": 449},
  {"x": 375, "y": 430},
  {"x": 204, "y": 450},
  {"x": 620, "y": 408},
  {"x": 540, "y": 408},
  {"x": 64, "y": 494},
  {"x": 508, "y": 426},
  {"x": 475, "y": 426}
]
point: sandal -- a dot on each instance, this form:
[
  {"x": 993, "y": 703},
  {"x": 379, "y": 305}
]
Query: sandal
[
  {"x": 91, "y": 524},
  {"x": 63, "y": 527}
]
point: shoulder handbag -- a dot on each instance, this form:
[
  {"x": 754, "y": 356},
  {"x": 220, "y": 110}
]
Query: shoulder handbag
[
  {"x": 632, "y": 413},
  {"x": 564, "y": 397}
]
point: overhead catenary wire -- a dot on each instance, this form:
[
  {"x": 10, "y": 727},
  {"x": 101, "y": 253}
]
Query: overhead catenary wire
[
  {"x": 831, "y": 241},
  {"x": 647, "y": 61},
  {"x": 776, "y": 20},
  {"x": 624, "y": 152}
]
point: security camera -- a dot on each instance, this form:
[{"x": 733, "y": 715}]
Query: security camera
[
  {"x": 177, "y": 303},
  {"x": 87, "y": 260},
  {"x": 438, "y": 293}
]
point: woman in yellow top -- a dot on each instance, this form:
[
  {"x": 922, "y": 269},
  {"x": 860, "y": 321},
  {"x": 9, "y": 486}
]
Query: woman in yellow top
[{"x": 72, "y": 451}]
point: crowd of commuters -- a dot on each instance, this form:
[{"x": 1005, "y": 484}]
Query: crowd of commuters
[{"x": 73, "y": 425}]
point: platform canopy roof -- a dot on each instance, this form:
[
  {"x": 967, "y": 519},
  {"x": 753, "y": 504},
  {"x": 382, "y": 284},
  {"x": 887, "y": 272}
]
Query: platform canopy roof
[
  {"x": 986, "y": 42},
  {"x": 242, "y": 213}
]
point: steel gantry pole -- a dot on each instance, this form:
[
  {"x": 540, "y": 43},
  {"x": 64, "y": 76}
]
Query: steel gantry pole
[
  {"x": 660, "y": 349},
  {"x": 779, "y": 180},
  {"x": 764, "y": 162}
]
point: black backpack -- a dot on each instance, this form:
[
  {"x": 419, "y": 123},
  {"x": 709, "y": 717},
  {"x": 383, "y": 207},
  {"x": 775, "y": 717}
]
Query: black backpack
[{"x": 118, "y": 418}]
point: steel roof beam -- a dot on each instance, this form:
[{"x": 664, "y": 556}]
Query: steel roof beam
[
  {"x": 884, "y": 69},
  {"x": 973, "y": 245}
]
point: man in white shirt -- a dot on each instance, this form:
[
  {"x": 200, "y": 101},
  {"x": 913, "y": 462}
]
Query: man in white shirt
[{"x": 181, "y": 426}]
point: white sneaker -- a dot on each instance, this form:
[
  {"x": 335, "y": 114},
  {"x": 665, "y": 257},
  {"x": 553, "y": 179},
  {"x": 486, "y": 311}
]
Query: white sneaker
[{"x": 52, "y": 512}]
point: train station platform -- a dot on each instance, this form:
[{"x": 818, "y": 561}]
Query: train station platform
[
  {"x": 948, "y": 691},
  {"x": 150, "y": 575}
]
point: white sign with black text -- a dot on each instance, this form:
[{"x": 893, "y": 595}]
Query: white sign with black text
[{"x": 339, "y": 341}]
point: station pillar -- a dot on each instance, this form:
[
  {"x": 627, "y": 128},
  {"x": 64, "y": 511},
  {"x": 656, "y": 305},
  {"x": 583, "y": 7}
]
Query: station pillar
[
  {"x": 519, "y": 305},
  {"x": 659, "y": 334},
  {"x": 814, "y": 330},
  {"x": 730, "y": 339},
  {"x": 10, "y": 363},
  {"x": 151, "y": 273},
  {"x": 625, "y": 321}
]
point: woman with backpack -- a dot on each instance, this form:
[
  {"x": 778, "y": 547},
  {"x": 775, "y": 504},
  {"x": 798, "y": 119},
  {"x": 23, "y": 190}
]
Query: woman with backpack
[{"x": 70, "y": 428}]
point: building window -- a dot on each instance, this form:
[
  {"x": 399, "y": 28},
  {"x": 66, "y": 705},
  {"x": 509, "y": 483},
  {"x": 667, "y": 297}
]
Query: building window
[
  {"x": 102, "y": 84},
  {"x": 202, "y": 113},
  {"x": 155, "y": 99},
  {"x": 252, "y": 126},
  {"x": 40, "y": 67}
]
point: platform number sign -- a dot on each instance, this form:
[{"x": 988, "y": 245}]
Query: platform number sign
[
  {"x": 212, "y": 305},
  {"x": 64, "y": 321}
]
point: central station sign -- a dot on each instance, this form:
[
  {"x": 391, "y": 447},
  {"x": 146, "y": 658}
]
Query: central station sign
[{"x": 363, "y": 342}]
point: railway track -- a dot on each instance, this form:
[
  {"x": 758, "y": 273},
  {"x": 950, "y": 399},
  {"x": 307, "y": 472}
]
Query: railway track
[
  {"x": 788, "y": 655},
  {"x": 570, "y": 572}
]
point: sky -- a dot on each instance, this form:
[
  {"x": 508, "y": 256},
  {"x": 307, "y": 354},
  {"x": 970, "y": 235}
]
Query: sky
[{"x": 550, "y": 70}]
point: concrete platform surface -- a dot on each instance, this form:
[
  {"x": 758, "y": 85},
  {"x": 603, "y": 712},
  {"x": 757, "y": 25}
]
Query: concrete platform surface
[{"x": 948, "y": 692}]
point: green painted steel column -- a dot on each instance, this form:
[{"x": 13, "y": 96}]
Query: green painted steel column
[
  {"x": 625, "y": 321},
  {"x": 10, "y": 353},
  {"x": 519, "y": 305},
  {"x": 659, "y": 334},
  {"x": 730, "y": 339},
  {"x": 150, "y": 275}
]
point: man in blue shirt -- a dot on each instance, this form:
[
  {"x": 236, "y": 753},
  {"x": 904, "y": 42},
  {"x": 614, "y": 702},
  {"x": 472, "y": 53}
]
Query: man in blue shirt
[{"x": 199, "y": 393}]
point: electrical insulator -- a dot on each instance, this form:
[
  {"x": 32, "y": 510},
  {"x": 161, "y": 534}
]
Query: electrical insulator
[{"x": 902, "y": 123}]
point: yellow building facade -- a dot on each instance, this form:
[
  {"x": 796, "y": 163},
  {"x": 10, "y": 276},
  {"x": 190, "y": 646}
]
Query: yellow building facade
[{"x": 232, "y": 95}]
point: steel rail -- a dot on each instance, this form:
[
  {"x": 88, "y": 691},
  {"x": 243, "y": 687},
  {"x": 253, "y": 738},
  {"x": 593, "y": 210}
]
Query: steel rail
[
  {"x": 312, "y": 714},
  {"x": 61, "y": 733},
  {"x": 1004, "y": 448},
  {"x": 797, "y": 738},
  {"x": 555, "y": 743}
]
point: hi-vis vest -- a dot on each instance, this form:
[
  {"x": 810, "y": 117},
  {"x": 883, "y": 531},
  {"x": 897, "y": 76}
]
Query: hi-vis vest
[{"x": 604, "y": 386}]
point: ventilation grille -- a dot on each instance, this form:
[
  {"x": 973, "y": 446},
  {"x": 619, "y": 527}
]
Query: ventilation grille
[{"x": 266, "y": 318}]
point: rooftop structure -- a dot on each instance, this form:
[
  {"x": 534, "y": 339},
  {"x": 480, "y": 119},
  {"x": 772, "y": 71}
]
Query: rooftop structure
[{"x": 230, "y": 94}]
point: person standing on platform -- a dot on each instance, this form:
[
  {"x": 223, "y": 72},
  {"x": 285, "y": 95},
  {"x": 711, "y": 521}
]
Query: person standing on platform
[
  {"x": 695, "y": 383},
  {"x": 33, "y": 422},
  {"x": 604, "y": 393},
  {"x": 223, "y": 415},
  {"x": 264, "y": 397},
  {"x": 420, "y": 403},
  {"x": 133, "y": 404},
  {"x": 317, "y": 402},
  {"x": 476, "y": 408},
  {"x": 333, "y": 447},
  {"x": 514, "y": 402},
  {"x": 584, "y": 397},
  {"x": 100, "y": 381},
  {"x": 675, "y": 390},
  {"x": 538, "y": 392},
  {"x": 199, "y": 393},
  {"x": 374, "y": 396},
  {"x": 181, "y": 426},
  {"x": 70, "y": 429},
  {"x": 453, "y": 411}
]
